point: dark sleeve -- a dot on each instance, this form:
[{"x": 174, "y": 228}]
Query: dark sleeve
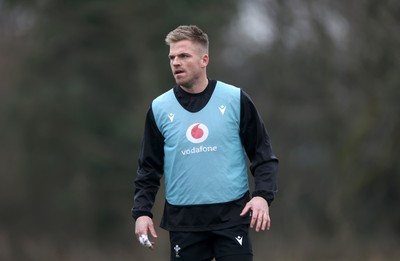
[
  {"x": 150, "y": 168},
  {"x": 256, "y": 141}
]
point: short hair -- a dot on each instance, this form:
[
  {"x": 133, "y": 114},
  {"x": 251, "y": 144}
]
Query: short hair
[{"x": 188, "y": 32}]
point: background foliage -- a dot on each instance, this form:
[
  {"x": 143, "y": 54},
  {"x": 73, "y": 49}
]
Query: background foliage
[{"x": 78, "y": 76}]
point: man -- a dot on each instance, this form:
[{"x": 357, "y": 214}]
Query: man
[{"x": 196, "y": 136}]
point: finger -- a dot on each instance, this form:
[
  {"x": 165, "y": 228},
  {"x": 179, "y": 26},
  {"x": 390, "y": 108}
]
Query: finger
[
  {"x": 265, "y": 221},
  {"x": 152, "y": 246},
  {"x": 245, "y": 210},
  {"x": 144, "y": 241},
  {"x": 260, "y": 219},
  {"x": 152, "y": 230},
  {"x": 254, "y": 219},
  {"x": 141, "y": 231},
  {"x": 268, "y": 223}
]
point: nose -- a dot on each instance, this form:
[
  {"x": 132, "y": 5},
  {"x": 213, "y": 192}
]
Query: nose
[{"x": 175, "y": 61}]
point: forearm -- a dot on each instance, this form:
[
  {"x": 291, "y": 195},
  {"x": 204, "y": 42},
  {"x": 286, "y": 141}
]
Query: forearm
[
  {"x": 150, "y": 169},
  {"x": 256, "y": 141},
  {"x": 265, "y": 180},
  {"x": 146, "y": 188}
]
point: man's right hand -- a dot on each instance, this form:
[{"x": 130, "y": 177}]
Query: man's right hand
[{"x": 143, "y": 226}]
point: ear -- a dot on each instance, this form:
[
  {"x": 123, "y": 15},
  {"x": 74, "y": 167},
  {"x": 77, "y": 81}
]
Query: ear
[{"x": 204, "y": 60}]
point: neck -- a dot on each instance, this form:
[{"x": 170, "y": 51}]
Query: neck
[{"x": 198, "y": 87}]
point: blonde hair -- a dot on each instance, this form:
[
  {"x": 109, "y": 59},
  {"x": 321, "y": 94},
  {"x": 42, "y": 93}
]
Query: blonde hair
[{"x": 188, "y": 32}]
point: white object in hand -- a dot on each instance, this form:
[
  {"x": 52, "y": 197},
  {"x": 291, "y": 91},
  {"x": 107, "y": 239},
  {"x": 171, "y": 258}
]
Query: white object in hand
[{"x": 144, "y": 240}]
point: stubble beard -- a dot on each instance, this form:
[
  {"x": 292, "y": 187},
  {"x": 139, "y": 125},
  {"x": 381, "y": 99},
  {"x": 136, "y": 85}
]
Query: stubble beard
[{"x": 186, "y": 84}]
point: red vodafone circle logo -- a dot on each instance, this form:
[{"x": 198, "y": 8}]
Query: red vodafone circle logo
[{"x": 197, "y": 133}]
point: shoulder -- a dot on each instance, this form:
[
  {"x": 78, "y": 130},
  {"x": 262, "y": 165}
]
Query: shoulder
[
  {"x": 162, "y": 99},
  {"x": 227, "y": 86},
  {"x": 163, "y": 95},
  {"x": 227, "y": 90}
]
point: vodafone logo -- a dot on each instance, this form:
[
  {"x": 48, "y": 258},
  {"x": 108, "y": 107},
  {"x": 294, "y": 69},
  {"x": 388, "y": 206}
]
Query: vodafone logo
[{"x": 197, "y": 133}]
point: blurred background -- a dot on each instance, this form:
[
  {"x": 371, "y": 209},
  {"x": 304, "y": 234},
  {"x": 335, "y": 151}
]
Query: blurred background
[{"x": 77, "y": 77}]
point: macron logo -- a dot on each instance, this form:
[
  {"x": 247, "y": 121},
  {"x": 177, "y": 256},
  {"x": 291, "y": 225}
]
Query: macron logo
[
  {"x": 222, "y": 109},
  {"x": 171, "y": 116},
  {"x": 239, "y": 239}
]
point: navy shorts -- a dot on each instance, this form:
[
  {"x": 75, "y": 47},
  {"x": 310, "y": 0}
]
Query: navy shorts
[{"x": 199, "y": 246}]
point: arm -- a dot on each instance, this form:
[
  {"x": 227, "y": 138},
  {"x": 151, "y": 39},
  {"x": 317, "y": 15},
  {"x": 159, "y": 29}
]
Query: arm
[
  {"x": 149, "y": 173},
  {"x": 263, "y": 163}
]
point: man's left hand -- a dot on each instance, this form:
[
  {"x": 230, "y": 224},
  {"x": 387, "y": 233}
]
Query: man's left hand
[{"x": 260, "y": 213}]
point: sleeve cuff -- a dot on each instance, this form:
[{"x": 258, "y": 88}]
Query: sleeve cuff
[
  {"x": 137, "y": 214},
  {"x": 268, "y": 196}
]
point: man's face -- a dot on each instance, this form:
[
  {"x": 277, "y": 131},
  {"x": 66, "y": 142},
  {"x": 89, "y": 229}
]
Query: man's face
[{"x": 188, "y": 62}]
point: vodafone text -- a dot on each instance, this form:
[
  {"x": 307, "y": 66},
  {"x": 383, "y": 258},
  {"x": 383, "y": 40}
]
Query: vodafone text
[{"x": 200, "y": 149}]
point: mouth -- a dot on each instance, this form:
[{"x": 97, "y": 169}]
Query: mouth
[{"x": 178, "y": 72}]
